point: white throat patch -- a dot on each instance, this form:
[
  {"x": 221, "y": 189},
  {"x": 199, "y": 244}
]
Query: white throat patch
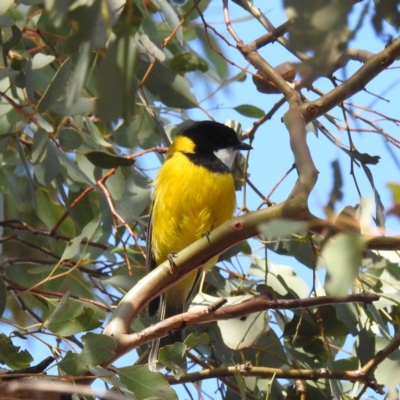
[{"x": 227, "y": 156}]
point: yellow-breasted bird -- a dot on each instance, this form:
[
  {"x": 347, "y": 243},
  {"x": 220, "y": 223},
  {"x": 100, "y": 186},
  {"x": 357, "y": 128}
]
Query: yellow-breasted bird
[{"x": 193, "y": 194}]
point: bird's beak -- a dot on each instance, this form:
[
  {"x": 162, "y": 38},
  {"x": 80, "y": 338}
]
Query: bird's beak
[{"x": 244, "y": 146}]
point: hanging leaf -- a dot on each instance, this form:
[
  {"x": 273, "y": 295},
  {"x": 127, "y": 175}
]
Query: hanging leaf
[
  {"x": 249, "y": 111},
  {"x": 73, "y": 246},
  {"x": 56, "y": 87},
  {"x": 146, "y": 384},
  {"x": 342, "y": 258},
  {"x": 107, "y": 161},
  {"x": 12, "y": 355},
  {"x": 171, "y": 89}
]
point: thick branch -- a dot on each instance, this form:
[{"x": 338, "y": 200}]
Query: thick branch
[
  {"x": 250, "y": 53},
  {"x": 373, "y": 67},
  {"x": 306, "y": 169},
  {"x": 265, "y": 372},
  {"x": 51, "y": 388},
  {"x": 209, "y": 314}
]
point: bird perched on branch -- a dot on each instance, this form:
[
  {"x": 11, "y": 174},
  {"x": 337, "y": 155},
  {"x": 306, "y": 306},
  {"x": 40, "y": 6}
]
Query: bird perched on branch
[{"x": 194, "y": 193}]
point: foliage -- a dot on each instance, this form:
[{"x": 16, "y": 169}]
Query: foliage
[{"x": 92, "y": 93}]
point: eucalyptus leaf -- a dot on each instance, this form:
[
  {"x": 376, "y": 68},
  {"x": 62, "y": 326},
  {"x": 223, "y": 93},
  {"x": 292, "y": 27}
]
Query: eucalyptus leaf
[
  {"x": 146, "y": 384},
  {"x": 171, "y": 88},
  {"x": 3, "y": 297},
  {"x": 40, "y": 60},
  {"x": 249, "y": 111},
  {"x": 73, "y": 246},
  {"x": 107, "y": 161},
  {"x": 70, "y": 139},
  {"x": 172, "y": 19},
  {"x": 56, "y": 87},
  {"x": 12, "y": 355},
  {"x": 342, "y": 258}
]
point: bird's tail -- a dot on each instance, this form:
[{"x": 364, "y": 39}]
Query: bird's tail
[{"x": 173, "y": 337}]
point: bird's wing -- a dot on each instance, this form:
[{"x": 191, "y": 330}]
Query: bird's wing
[
  {"x": 150, "y": 261},
  {"x": 150, "y": 265}
]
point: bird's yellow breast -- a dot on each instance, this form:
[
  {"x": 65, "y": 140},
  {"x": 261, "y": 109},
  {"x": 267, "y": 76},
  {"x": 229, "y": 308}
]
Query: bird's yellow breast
[{"x": 189, "y": 200}]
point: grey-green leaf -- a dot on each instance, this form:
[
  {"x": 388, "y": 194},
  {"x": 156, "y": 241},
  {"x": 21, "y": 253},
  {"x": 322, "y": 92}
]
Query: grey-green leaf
[
  {"x": 249, "y": 111},
  {"x": 342, "y": 258},
  {"x": 171, "y": 88},
  {"x": 107, "y": 161},
  {"x": 146, "y": 384},
  {"x": 56, "y": 87}
]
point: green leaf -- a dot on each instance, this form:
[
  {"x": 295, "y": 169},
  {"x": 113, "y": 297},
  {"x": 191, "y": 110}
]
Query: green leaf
[
  {"x": 3, "y": 297},
  {"x": 122, "y": 281},
  {"x": 77, "y": 80},
  {"x": 10, "y": 36},
  {"x": 219, "y": 64},
  {"x": 73, "y": 365},
  {"x": 320, "y": 28},
  {"x": 240, "y": 333},
  {"x": 145, "y": 384},
  {"x": 171, "y": 18},
  {"x": 365, "y": 347},
  {"x": 173, "y": 356},
  {"x": 116, "y": 80},
  {"x": 170, "y": 88},
  {"x": 70, "y": 139},
  {"x": 347, "y": 314},
  {"x": 97, "y": 349},
  {"x": 150, "y": 49},
  {"x": 7, "y": 72},
  {"x": 95, "y": 133},
  {"x": 249, "y": 111},
  {"x": 81, "y": 106},
  {"x": 284, "y": 280},
  {"x": 116, "y": 185},
  {"x": 107, "y": 17},
  {"x": 50, "y": 213},
  {"x": 388, "y": 370},
  {"x": 73, "y": 246},
  {"x": 283, "y": 229},
  {"x": 346, "y": 364},
  {"x": 11, "y": 355},
  {"x": 4, "y": 141},
  {"x": 28, "y": 173},
  {"x": 40, "y": 60},
  {"x": 186, "y": 62},
  {"x": 56, "y": 87},
  {"x": 60, "y": 308},
  {"x": 46, "y": 171},
  {"x": 5, "y": 20},
  {"x": 142, "y": 132},
  {"x": 72, "y": 167},
  {"x": 379, "y": 320},
  {"x": 242, "y": 247},
  {"x": 77, "y": 316},
  {"x": 193, "y": 341},
  {"x": 39, "y": 148},
  {"x": 342, "y": 258},
  {"x": 107, "y": 161},
  {"x": 241, "y": 384}
]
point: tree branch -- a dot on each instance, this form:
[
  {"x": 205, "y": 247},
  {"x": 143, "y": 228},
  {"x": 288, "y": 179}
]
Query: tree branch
[
  {"x": 265, "y": 372},
  {"x": 372, "y": 364},
  {"x": 209, "y": 314},
  {"x": 373, "y": 67}
]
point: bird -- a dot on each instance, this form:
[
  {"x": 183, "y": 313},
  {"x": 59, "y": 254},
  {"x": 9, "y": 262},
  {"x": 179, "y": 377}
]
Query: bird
[{"x": 193, "y": 193}]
